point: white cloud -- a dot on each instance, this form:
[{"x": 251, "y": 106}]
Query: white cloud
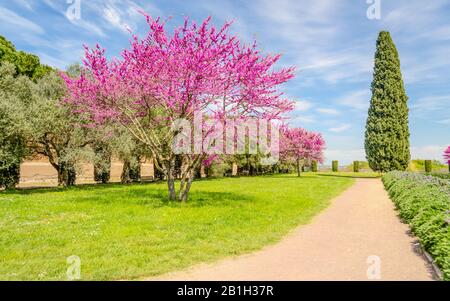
[
  {"x": 357, "y": 100},
  {"x": 413, "y": 16},
  {"x": 113, "y": 17},
  {"x": 340, "y": 129},
  {"x": 303, "y": 105},
  {"x": 428, "y": 152},
  {"x": 345, "y": 157},
  {"x": 299, "y": 120},
  {"x": 328, "y": 111},
  {"x": 10, "y": 19},
  {"x": 90, "y": 27},
  {"x": 431, "y": 103},
  {"x": 25, "y": 3},
  {"x": 124, "y": 15}
]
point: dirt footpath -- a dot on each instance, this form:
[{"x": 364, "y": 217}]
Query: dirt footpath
[{"x": 359, "y": 237}]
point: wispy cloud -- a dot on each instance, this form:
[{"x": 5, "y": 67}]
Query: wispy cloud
[
  {"x": 429, "y": 152},
  {"x": 431, "y": 103},
  {"x": 303, "y": 119},
  {"x": 357, "y": 100},
  {"x": 303, "y": 105},
  {"x": 123, "y": 15},
  {"x": 345, "y": 156},
  {"x": 340, "y": 129},
  {"x": 25, "y": 3},
  {"x": 328, "y": 111},
  {"x": 10, "y": 19},
  {"x": 88, "y": 26}
]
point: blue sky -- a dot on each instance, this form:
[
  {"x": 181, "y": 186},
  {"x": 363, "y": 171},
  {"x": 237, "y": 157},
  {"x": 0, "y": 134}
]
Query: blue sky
[{"x": 331, "y": 42}]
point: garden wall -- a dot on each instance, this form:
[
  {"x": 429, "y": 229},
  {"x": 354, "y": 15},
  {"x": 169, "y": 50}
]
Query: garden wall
[{"x": 41, "y": 173}]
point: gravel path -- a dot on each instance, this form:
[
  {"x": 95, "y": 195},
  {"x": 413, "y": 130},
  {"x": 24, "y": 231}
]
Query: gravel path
[{"x": 359, "y": 237}]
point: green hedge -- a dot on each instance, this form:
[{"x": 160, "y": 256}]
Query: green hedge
[
  {"x": 442, "y": 175},
  {"x": 335, "y": 166},
  {"x": 314, "y": 166},
  {"x": 424, "y": 203}
]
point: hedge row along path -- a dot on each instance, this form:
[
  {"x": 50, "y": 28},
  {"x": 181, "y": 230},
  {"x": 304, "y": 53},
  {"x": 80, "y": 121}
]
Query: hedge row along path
[{"x": 336, "y": 245}]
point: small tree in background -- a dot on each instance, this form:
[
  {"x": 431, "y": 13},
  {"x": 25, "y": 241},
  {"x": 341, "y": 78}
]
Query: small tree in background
[
  {"x": 314, "y": 166},
  {"x": 24, "y": 63},
  {"x": 335, "y": 166},
  {"x": 428, "y": 166},
  {"x": 102, "y": 162},
  {"x": 54, "y": 132},
  {"x": 130, "y": 151},
  {"x": 387, "y": 130},
  {"x": 298, "y": 146},
  {"x": 447, "y": 157},
  {"x": 356, "y": 166},
  {"x": 17, "y": 68},
  {"x": 15, "y": 94}
]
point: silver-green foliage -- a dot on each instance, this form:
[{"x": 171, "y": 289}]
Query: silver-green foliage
[
  {"x": 424, "y": 203},
  {"x": 15, "y": 93}
]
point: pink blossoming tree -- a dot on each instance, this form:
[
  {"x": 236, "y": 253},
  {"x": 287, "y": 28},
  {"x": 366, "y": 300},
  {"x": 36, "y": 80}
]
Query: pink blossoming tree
[
  {"x": 163, "y": 78},
  {"x": 447, "y": 157},
  {"x": 300, "y": 146}
]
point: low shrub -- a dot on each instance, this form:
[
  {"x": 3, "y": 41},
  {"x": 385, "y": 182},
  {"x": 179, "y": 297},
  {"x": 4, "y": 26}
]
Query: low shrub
[
  {"x": 428, "y": 166},
  {"x": 445, "y": 176},
  {"x": 356, "y": 166},
  {"x": 314, "y": 167},
  {"x": 419, "y": 166},
  {"x": 424, "y": 203},
  {"x": 335, "y": 166}
]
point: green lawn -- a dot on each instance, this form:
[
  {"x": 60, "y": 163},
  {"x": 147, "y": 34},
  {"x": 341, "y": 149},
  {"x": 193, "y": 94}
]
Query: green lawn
[
  {"x": 345, "y": 174},
  {"x": 128, "y": 232}
]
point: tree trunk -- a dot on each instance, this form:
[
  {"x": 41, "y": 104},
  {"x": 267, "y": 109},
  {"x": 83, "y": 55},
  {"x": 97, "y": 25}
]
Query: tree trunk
[
  {"x": 102, "y": 168},
  {"x": 299, "y": 170},
  {"x": 170, "y": 170},
  {"x": 125, "y": 176},
  {"x": 66, "y": 174},
  {"x": 135, "y": 172},
  {"x": 183, "y": 197},
  {"x": 158, "y": 175},
  {"x": 171, "y": 186}
]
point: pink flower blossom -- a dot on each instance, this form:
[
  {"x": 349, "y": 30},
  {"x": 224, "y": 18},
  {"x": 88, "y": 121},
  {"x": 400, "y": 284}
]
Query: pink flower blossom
[
  {"x": 300, "y": 144},
  {"x": 447, "y": 155}
]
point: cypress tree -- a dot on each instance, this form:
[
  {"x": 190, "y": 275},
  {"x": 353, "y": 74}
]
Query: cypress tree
[{"x": 387, "y": 130}]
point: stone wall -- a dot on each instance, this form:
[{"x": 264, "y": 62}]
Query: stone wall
[{"x": 42, "y": 173}]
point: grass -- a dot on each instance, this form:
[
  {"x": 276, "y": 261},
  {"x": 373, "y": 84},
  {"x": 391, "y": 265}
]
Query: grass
[
  {"x": 130, "y": 232},
  {"x": 363, "y": 175}
]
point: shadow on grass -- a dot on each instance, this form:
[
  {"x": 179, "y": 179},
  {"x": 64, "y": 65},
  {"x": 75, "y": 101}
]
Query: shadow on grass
[
  {"x": 158, "y": 197},
  {"x": 78, "y": 187},
  {"x": 92, "y": 186},
  {"x": 148, "y": 194}
]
